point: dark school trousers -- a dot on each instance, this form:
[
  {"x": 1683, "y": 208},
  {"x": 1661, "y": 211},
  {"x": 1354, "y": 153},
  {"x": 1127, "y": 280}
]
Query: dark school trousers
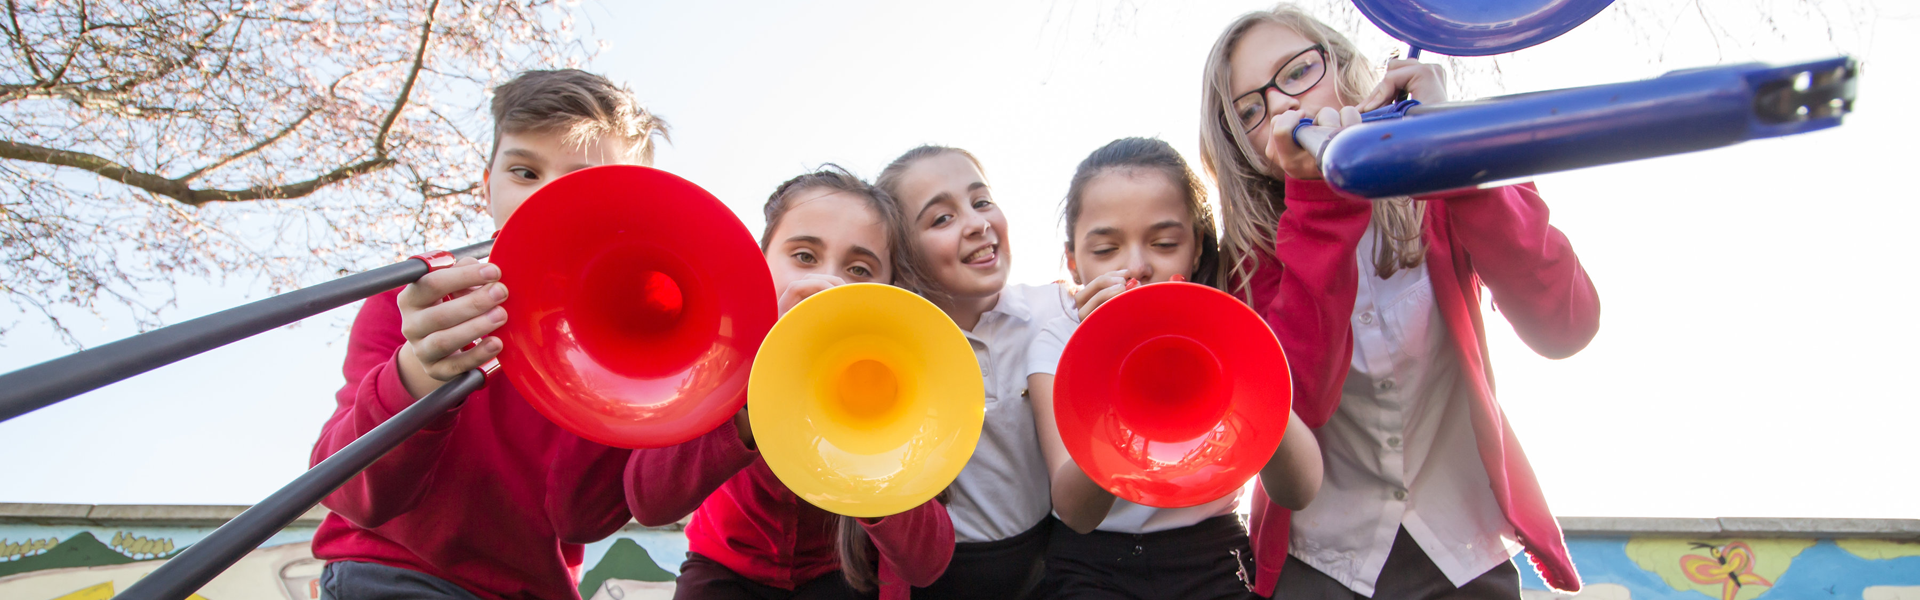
[
  {"x": 1006, "y": 569},
  {"x": 1211, "y": 559},
  {"x": 702, "y": 578},
  {"x": 1408, "y": 575},
  {"x": 354, "y": 580}
]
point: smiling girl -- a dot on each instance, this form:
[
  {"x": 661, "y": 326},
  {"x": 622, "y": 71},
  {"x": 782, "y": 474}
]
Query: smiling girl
[{"x": 1000, "y": 501}]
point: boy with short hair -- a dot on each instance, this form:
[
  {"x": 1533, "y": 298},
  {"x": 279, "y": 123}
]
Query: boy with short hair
[{"x": 491, "y": 500}]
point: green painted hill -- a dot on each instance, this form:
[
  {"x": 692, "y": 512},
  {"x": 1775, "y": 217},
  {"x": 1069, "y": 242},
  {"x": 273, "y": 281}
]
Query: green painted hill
[
  {"x": 626, "y": 560},
  {"x": 82, "y": 550}
]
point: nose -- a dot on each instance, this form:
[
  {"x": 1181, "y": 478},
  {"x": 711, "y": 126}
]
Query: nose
[
  {"x": 972, "y": 225},
  {"x": 1278, "y": 103},
  {"x": 1138, "y": 267}
]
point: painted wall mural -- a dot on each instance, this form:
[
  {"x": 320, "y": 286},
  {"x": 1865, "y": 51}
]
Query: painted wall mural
[
  {"x": 1678, "y": 568},
  {"x": 66, "y": 562}
]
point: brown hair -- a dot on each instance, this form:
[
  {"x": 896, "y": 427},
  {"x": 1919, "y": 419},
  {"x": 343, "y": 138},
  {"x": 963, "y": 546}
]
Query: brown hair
[
  {"x": 1251, "y": 198},
  {"x": 889, "y": 182},
  {"x": 579, "y": 105},
  {"x": 900, "y": 253},
  {"x": 856, "y": 551},
  {"x": 1156, "y": 155}
]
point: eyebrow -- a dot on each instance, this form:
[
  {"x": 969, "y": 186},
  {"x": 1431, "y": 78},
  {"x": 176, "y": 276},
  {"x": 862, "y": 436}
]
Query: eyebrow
[
  {"x": 1110, "y": 230},
  {"x": 519, "y": 152},
  {"x": 946, "y": 197},
  {"x": 869, "y": 254},
  {"x": 804, "y": 239}
]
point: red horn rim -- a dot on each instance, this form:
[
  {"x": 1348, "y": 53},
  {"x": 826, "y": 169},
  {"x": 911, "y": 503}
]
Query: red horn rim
[
  {"x": 1172, "y": 395},
  {"x": 636, "y": 301}
]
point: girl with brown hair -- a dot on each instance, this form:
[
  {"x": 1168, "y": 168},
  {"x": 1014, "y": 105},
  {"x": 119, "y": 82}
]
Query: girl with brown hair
[
  {"x": 751, "y": 537},
  {"x": 1135, "y": 214}
]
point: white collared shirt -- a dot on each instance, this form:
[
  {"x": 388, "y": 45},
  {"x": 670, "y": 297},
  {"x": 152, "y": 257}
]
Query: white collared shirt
[
  {"x": 1400, "y": 450},
  {"x": 1124, "y": 517},
  {"x": 1003, "y": 491}
]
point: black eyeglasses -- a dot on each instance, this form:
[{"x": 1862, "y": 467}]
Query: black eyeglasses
[{"x": 1294, "y": 78}]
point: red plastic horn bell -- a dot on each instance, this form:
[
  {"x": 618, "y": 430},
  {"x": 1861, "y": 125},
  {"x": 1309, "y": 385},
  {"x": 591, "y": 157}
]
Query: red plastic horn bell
[
  {"x": 1172, "y": 395},
  {"x": 636, "y": 301}
]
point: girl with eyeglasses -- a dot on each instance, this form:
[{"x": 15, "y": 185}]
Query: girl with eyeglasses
[{"x": 1427, "y": 493}]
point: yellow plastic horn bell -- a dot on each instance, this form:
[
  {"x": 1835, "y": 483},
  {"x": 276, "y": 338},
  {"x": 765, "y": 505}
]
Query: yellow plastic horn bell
[{"x": 866, "y": 400}]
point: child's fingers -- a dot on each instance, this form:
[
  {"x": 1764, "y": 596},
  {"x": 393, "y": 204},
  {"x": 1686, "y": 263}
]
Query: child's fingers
[
  {"x": 444, "y": 343},
  {"x": 439, "y": 284},
  {"x": 1328, "y": 117},
  {"x": 1099, "y": 299},
  {"x": 804, "y": 288},
  {"x": 830, "y": 280},
  {"x": 1102, "y": 282},
  {"x": 1349, "y": 116},
  {"x": 466, "y": 360},
  {"x": 1285, "y": 155},
  {"x": 423, "y": 322},
  {"x": 1425, "y": 82}
]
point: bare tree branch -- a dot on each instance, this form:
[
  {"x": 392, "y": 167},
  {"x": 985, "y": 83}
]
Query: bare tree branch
[{"x": 142, "y": 141}]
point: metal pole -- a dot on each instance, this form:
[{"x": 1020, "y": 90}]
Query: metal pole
[
  {"x": 47, "y": 383},
  {"x": 186, "y": 573}
]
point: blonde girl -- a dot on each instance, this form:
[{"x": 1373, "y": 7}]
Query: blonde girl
[{"x": 1427, "y": 493}]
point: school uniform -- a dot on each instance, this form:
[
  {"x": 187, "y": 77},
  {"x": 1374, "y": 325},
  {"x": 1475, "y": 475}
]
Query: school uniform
[
  {"x": 1393, "y": 377},
  {"x": 490, "y": 498},
  {"x": 1001, "y": 501},
  {"x": 1140, "y": 551},
  {"x": 751, "y": 537}
]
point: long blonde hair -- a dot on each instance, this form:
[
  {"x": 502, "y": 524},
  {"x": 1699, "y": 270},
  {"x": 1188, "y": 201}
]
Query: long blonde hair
[{"x": 1251, "y": 197}]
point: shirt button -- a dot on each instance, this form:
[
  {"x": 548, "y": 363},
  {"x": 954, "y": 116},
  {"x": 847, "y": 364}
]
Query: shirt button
[
  {"x": 1386, "y": 385},
  {"x": 1366, "y": 318},
  {"x": 1137, "y": 550},
  {"x": 1399, "y": 494},
  {"x": 1394, "y": 441}
]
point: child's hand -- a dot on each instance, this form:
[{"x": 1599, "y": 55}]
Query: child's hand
[
  {"x": 1293, "y": 160},
  {"x": 1425, "y": 82},
  {"x": 805, "y": 287},
  {"x": 1100, "y": 290},
  {"x": 436, "y": 330}
]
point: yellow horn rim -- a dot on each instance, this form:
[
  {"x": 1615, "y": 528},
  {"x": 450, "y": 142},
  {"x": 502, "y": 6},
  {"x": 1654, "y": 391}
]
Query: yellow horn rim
[{"x": 866, "y": 400}]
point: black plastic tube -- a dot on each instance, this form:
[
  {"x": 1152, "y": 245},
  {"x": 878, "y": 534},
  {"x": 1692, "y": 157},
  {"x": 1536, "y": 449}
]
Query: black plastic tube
[
  {"x": 184, "y": 574},
  {"x": 48, "y": 383}
]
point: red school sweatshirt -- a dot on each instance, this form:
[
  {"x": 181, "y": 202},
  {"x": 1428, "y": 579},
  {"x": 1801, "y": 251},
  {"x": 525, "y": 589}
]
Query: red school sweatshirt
[
  {"x": 1498, "y": 238},
  {"x": 491, "y": 496},
  {"x": 751, "y": 523}
]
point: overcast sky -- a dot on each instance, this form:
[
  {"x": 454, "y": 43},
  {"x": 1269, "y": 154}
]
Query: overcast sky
[{"x": 1758, "y": 324}]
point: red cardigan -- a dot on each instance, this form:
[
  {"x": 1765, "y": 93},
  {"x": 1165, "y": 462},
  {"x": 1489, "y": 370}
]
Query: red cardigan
[
  {"x": 758, "y": 528},
  {"x": 491, "y": 497},
  {"x": 1499, "y": 238}
]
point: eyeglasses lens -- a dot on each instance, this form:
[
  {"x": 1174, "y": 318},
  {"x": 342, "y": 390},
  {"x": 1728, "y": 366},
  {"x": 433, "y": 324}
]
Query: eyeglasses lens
[{"x": 1298, "y": 76}]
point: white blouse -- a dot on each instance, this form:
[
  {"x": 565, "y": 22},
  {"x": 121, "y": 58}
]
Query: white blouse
[
  {"x": 1400, "y": 450},
  {"x": 1003, "y": 491}
]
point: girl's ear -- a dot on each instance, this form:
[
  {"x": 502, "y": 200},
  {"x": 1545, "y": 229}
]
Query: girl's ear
[{"x": 1073, "y": 267}]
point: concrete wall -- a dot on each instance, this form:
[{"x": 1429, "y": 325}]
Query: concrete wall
[{"x": 84, "y": 552}]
